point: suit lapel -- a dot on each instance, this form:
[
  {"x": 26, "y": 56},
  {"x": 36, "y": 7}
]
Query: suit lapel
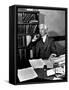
[{"x": 44, "y": 45}]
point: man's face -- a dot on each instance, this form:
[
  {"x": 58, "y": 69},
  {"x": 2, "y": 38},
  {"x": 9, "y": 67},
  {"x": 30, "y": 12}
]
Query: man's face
[{"x": 43, "y": 30}]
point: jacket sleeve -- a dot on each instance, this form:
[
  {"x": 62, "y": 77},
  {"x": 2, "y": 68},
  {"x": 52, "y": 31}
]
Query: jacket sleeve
[{"x": 53, "y": 48}]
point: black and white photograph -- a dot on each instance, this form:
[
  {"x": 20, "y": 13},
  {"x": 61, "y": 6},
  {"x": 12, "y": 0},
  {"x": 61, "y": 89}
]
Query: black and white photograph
[{"x": 37, "y": 44}]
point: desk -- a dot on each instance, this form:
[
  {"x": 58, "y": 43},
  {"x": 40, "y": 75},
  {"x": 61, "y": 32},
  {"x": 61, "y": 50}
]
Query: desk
[
  {"x": 41, "y": 70},
  {"x": 42, "y": 75},
  {"x": 57, "y": 64}
]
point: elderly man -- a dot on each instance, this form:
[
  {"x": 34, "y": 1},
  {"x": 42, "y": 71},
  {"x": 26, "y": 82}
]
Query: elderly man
[{"x": 45, "y": 45}]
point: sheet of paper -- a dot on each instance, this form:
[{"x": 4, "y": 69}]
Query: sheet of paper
[
  {"x": 59, "y": 59},
  {"x": 48, "y": 63},
  {"x": 26, "y": 74},
  {"x": 37, "y": 63},
  {"x": 60, "y": 70},
  {"x": 50, "y": 72}
]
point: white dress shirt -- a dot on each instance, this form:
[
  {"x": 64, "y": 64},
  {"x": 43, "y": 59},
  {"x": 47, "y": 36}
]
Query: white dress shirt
[{"x": 44, "y": 38}]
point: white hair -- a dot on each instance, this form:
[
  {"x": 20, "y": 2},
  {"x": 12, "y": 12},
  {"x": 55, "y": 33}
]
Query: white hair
[{"x": 41, "y": 26}]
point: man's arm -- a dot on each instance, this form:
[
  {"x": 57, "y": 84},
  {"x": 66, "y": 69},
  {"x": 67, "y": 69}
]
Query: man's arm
[{"x": 53, "y": 48}]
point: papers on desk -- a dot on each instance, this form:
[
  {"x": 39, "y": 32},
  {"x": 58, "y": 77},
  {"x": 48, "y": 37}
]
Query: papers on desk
[
  {"x": 37, "y": 63},
  {"x": 60, "y": 70},
  {"x": 26, "y": 74},
  {"x": 48, "y": 63},
  {"x": 50, "y": 72},
  {"x": 59, "y": 59}
]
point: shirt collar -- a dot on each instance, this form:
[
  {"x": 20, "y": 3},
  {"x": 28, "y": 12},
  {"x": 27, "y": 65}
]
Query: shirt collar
[{"x": 44, "y": 38}]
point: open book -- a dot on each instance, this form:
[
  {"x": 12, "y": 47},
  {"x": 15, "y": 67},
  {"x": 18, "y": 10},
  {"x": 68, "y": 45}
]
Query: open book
[
  {"x": 26, "y": 74},
  {"x": 37, "y": 63}
]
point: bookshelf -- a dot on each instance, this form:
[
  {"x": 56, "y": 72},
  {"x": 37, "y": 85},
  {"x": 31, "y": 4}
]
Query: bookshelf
[{"x": 27, "y": 26}]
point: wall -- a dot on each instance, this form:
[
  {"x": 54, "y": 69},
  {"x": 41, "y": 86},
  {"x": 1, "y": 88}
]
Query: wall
[{"x": 55, "y": 20}]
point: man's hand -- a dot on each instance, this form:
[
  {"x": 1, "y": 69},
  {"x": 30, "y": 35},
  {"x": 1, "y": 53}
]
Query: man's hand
[
  {"x": 35, "y": 38},
  {"x": 52, "y": 56}
]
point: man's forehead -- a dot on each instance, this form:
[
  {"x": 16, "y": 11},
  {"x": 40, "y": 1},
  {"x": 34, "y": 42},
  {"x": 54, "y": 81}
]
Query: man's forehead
[{"x": 43, "y": 26}]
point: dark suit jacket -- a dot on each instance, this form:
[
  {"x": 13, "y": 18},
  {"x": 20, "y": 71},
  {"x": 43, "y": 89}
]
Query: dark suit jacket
[{"x": 44, "y": 50}]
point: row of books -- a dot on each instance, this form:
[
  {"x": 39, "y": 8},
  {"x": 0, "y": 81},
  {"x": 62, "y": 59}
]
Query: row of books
[
  {"x": 27, "y": 29},
  {"x": 21, "y": 41},
  {"x": 26, "y": 17},
  {"x": 23, "y": 54}
]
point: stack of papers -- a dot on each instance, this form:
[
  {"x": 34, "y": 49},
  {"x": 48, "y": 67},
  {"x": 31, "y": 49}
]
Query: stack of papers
[
  {"x": 26, "y": 74},
  {"x": 37, "y": 63}
]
